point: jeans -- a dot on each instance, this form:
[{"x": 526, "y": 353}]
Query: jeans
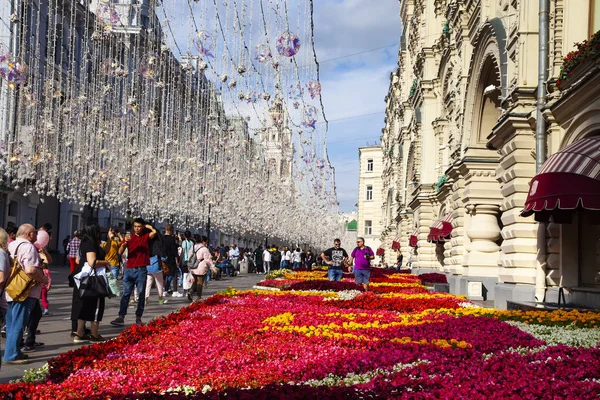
[
  {"x": 16, "y": 315},
  {"x": 168, "y": 280},
  {"x": 114, "y": 270},
  {"x": 180, "y": 280},
  {"x": 134, "y": 277},
  {"x": 34, "y": 320},
  {"x": 335, "y": 274},
  {"x": 227, "y": 268},
  {"x": 296, "y": 265},
  {"x": 285, "y": 264}
]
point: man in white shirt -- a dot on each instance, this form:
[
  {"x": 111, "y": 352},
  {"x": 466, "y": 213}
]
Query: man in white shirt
[
  {"x": 266, "y": 257},
  {"x": 234, "y": 255},
  {"x": 286, "y": 257}
]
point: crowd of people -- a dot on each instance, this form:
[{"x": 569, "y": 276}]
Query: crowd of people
[{"x": 178, "y": 264}]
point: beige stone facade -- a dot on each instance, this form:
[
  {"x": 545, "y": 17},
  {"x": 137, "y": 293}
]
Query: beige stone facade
[
  {"x": 370, "y": 199},
  {"x": 459, "y": 144}
]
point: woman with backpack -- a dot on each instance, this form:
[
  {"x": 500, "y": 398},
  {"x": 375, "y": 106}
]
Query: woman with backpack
[{"x": 200, "y": 255}]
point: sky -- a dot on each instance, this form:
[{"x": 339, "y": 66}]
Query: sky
[{"x": 354, "y": 86}]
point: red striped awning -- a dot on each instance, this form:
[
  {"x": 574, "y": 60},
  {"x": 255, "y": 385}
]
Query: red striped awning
[
  {"x": 441, "y": 230},
  {"x": 568, "y": 180},
  {"x": 413, "y": 240}
]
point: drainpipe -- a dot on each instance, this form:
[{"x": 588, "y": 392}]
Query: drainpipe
[{"x": 540, "y": 141}]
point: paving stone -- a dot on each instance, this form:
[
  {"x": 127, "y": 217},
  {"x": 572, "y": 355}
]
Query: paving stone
[{"x": 56, "y": 327}]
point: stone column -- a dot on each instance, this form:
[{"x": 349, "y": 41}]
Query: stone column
[
  {"x": 457, "y": 251},
  {"x": 483, "y": 252},
  {"x": 514, "y": 138},
  {"x": 423, "y": 206}
]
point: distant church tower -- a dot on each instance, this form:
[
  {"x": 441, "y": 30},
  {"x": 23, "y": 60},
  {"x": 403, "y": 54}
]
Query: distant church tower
[{"x": 277, "y": 140}]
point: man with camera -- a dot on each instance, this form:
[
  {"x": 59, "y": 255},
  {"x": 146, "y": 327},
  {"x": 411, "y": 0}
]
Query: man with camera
[{"x": 362, "y": 256}]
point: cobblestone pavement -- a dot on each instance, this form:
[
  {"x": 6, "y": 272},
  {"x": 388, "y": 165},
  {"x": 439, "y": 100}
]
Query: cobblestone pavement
[{"x": 56, "y": 327}]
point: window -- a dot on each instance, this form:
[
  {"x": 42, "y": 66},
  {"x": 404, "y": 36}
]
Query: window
[
  {"x": 594, "y": 16},
  {"x": 370, "y": 165},
  {"x": 368, "y": 227},
  {"x": 369, "y": 192},
  {"x": 75, "y": 222},
  {"x": 13, "y": 209}
]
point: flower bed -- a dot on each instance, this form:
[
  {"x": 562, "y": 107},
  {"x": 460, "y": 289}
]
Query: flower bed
[
  {"x": 319, "y": 343},
  {"x": 433, "y": 278}
]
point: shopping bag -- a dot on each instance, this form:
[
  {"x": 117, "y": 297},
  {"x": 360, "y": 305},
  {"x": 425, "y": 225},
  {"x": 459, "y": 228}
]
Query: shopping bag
[
  {"x": 188, "y": 281},
  {"x": 113, "y": 286},
  {"x": 92, "y": 284}
]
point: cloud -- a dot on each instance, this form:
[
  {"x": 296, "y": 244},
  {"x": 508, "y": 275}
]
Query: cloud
[
  {"x": 356, "y": 85},
  {"x": 343, "y": 27}
]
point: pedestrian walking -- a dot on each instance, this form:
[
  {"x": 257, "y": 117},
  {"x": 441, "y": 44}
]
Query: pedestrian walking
[
  {"x": 18, "y": 312},
  {"x": 11, "y": 230},
  {"x": 286, "y": 258},
  {"x": 266, "y": 259},
  {"x": 111, "y": 249},
  {"x": 297, "y": 259},
  {"x": 234, "y": 256},
  {"x": 335, "y": 257},
  {"x": 154, "y": 269},
  {"x": 186, "y": 245},
  {"x": 309, "y": 260},
  {"x": 258, "y": 260},
  {"x": 46, "y": 289},
  {"x": 89, "y": 309},
  {"x": 275, "y": 258},
  {"x": 362, "y": 256},
  {"x": 135, "y": 275},
  {"x": 170, "y": 246},
  {"x": 73, "y": 249},
  {"x": 203, "y": 266},
  {"x": 65, "y": 244}
]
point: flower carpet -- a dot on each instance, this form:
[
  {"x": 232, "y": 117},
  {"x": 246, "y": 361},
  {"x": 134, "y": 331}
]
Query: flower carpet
[{"x": 304, "y": 337}]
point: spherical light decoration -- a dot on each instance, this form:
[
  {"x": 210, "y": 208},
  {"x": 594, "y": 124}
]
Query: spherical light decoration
[{"x": 288, "y": 44}]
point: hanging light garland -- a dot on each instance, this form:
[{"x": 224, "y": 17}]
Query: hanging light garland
[{"x": 145, "y": 109}]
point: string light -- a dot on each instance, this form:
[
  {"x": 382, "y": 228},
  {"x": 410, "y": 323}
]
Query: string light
[{"x": 119, "y": 110}]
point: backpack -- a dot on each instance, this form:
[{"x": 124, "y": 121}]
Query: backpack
[{"x": 193, "y": 262}]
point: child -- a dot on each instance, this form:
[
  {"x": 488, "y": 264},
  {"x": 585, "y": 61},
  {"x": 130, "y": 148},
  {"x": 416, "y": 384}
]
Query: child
[{"x": 46, "y": 289}]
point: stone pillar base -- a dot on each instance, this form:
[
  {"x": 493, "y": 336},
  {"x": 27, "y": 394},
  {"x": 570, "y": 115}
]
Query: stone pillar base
[{"x": 512, "y": 292}]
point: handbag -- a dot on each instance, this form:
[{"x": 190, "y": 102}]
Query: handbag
[
  {"x": 113, "y": 286},
  {"x": 19, "y": 284},
  {"x": 93, "y": 285},
  {"x": 188, "y": 281},
  {"x": 165, "y": 267}
]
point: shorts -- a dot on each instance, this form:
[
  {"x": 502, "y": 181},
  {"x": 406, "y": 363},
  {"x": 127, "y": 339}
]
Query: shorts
[{"x": 362, "y": 276}]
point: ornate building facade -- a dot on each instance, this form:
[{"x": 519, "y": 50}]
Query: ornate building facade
[
  {"x": 370, "y": 197},
  {"x": 459, "y": 149}
]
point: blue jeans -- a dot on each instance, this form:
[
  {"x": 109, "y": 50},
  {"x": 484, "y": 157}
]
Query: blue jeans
[
  {"x": 296, "y": 265},
  {"x": 285, "y": 264},
  {"x": 168, "y": 280},
  {"x": 17, "y": 315},
  {"x": 180, "y": 280},
  {"x": 335, "y": 274},
  {"x": 134, "y": 277},
  {"x": 114, "y": 270}
]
